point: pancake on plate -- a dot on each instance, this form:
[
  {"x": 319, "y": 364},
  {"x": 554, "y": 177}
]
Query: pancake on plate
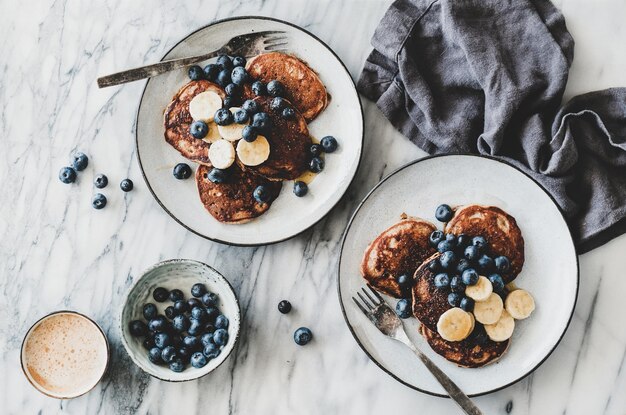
[
  {"x": 398, "y": 250},
  {"x": 498, "y": 227},
  {"x": 303, "y": 87},
  {"x": 233, "y": 201},
  {"x": 429, "y": 302},
  {"x": 177, "y": 120}
]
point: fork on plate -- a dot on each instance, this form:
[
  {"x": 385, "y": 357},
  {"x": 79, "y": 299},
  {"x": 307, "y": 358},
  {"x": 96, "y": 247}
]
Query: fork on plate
[
  {"x": 246, "y": 45},
  {"x": 386, "y": 320}
]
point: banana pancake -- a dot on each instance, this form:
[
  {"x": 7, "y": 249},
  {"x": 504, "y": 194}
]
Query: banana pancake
[
  {"x": 289, "y": 142},
  {"x": 429, "y": 302},
  {"x": 233, "y": 201},
  {"x": 499, "y": 228},
  {"x": 177, "y": 120},
  {"x": 477, "y": 350},
  {"x": 398, "y": 250},
  {"x": 302, "y": 85}
]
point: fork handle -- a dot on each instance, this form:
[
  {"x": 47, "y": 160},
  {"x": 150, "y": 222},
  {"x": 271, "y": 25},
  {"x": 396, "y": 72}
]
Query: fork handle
[
  {"x": 453, "y": 390},
  {"x": 149, "y": 71}
]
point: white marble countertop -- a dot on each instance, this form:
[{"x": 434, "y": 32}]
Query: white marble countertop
[{"x": 57, "y": 252}]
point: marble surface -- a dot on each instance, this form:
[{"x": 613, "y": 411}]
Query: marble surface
[{"x": 57, "y": 252}]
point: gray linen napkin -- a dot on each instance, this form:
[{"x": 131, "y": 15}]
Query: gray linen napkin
[{"x": 487, "y": 77}]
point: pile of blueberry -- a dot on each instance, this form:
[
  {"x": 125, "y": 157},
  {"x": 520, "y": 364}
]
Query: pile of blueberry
[
  {"x": 80, "y": 161},
  {"x": 302, "y": 335},
  {"x": 463, "y": 259},
  {"x": 191, "y": 331}
]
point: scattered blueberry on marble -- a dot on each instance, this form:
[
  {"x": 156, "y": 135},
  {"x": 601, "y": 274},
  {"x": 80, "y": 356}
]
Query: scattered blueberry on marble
[
  {"x": 284, "y": 306},
  {"x": 275, "y": 88},
  {"x": 300, "y": 188},
  {"x": 160, "y": 294},
  {"x": 195, "y": 73},
  {"x": 261, "y": 194},
  {"x": 67, "y": 175},
  {"x": 329, "y": 144},
  {"x": 198, "y": 129},
  {"x": 444, "y": 213},
  {"x": 101, "y": 181},
  {"x": 259, "y": 88},
  {"x": 316, "y": 164},
  {"x": 99, "y": 201},
  {"x": 182, "y": 171},
  {"x": 126, "y": 185},
  {"x": 403, "y": 308},
  {"x": 79, "y": 161},
  {"x": 302, "y": 336}
]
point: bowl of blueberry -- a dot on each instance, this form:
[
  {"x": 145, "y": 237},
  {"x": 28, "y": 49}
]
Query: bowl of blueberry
[{"x": 180, "y": 320}]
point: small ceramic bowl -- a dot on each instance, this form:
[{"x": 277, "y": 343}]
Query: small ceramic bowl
[{"x": 181, "y": 274}]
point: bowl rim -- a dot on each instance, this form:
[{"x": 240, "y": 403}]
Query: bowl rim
[
  {"x": 106, "y": 342},
  {"x": 148, "y": 270}
]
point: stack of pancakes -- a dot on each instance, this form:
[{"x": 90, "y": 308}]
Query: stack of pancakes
[
  {"x": 404, "y": 248},
  {"x": 233, "y": 201}
]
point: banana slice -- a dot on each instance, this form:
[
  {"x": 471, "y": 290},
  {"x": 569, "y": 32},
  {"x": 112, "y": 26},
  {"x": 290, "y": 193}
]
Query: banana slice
[
  {"x": 490, "y": 310},
  {"x": 520, "y": 304},
  {"x": 222, "y": 154},
  {"x": 232, "y": 132},
  {"x": 473, "y": 323},
  {"x": 213, "y": 134},
  {"x": 454, "y": 325},
  {"x": 203, "y": 106},
  {"x": 502, "y": 329},
  {"x": 254, "y": 153},
  {"x": 481, "y": 290}
]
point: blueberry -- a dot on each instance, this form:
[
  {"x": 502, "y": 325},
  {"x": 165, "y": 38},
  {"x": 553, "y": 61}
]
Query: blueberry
[
  {"x": 99, "y": 201},
  {"x": 275, "y": 88},
  {"x": 182, "y": 171},
  {"x": 193, "y": 302},
  {"x": 463, "y": 240},
  {"x": 177, "y": 340},
  {"x": 454, "y": 299},
  {"x": 198, "y": 290},
  {"x": 162, "y": 340},
  {"x": 480, "y": 243},
  {"x": 221, "y": 322},
  {"x": 448, "y": 260},
  {"x": 403, "y": 308},
  {"x": 177, "y": 365},
  {"x": 170, "y": 312},
  {"x": 315, "y": 150},
  {"x": 223, "y": 78},
  {"x": 462, "y": 265},
  {"x": 329, "y": 144},
  {"x": 184, "y": 353},
  {"x": 230, "y": 101},
  {"x": 168, "y": 354},
  {"x": 79, "y": 161},
  {"x": 485, "y": 264},
  {"x": 182, "y": 323},
  {"x": 278, "y": 104},
  {"x": 239, "y": 76},
  {"x": 443, "y": 213},
  {"x": 199, "y": 313},
  {"x": 209, "y": 299},
  {"x": 149, "y": 311},
  {"x": 160, "y": 294},
  {"x": 284, "y": 306},
  {"x": 159, "y": 323},
  {"x": 220, "y": 337},
  {"x": 206, "y": 339},
  {"x": 176, "y": 295},
  {"x": 456, "y": 284},
  {"x": 100, "y": 181},
  {"x": 404, "y": 281},
  {"x": 218, "y": 175},
  {"x": 467, "y": 304},
  {"x": 194, "y": 328},
  {"x": 469, "y": 276},
  {"x": 211, "y": 351},
  {"x": 148, "y": 343},
  {"x": 251, "y": 106},
  {"x": 126, "y": 185},
  {"x": 224, "y": 62},
  {"x": 444, "y": 246},
  {"x": 442, "y": 280},
  {"x": 300, "y": 188},
  {"x": 262, "y": 121},
  {"x": 195, "y": 73},
  {"x": 137, "y": 328},
  {"x": 232, "y": 90},
  {"x": 435, "y": 237},
  {"x": 198, "y": 129},
  {"x": 239, "y": 61},
  {"x": 249, "y": 133},
  {"x": 450, "y": 237},
  {"x": 261, "y": 194},
  {"x": 181, "y": 306},
  {"x": 154, "y": 355},
  {"x": 288, "y": 113},
  {"x": 316, "y": 164},
  {"x": 212, "y": 313},
  {"x": 241, "y": 116},
  {"x": 67, "y": 175},
  {"x": 191, "y": 342},
  {"x": 223, "y": 117},
  {"x": 434, "y": 266},
  {"x": 502, "y": 264},
  {"x": 198, "y": 360},
  {"x": 497, "y": 282},
  {"x": 472, "y": 253},
  {"x": 211, "y": 71},
  {"x": 302, "y": 336},
  {"x": 259, "y": 88}
]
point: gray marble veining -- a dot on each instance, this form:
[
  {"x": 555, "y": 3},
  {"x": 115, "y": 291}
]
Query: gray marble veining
[{"x": 57, "y": 252}]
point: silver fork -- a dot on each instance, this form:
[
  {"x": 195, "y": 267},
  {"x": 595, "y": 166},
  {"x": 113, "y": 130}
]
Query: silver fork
[
  {"x": 386, "y": 320},
  {"x": 246, "y": 45}
]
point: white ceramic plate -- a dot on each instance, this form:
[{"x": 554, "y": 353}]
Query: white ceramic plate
[
  {"x": 550, "y": 270},
  {"x": 289, "y": 215}
]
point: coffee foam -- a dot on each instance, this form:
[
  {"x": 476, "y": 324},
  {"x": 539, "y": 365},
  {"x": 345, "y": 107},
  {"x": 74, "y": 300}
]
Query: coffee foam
[{"x": 65, "y": 355}]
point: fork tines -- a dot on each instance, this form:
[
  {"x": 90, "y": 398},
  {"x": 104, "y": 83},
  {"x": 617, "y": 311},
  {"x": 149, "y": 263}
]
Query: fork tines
[{"x": 370, "y": 302}]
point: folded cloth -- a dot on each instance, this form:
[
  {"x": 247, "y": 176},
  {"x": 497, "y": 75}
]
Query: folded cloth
[{"x": 487, "y": 77}]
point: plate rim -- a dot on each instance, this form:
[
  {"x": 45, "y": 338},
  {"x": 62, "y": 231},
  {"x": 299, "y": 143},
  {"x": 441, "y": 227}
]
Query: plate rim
[
  {"x": 350, "y": 223},
  {"x": 274, "y": 241}
]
